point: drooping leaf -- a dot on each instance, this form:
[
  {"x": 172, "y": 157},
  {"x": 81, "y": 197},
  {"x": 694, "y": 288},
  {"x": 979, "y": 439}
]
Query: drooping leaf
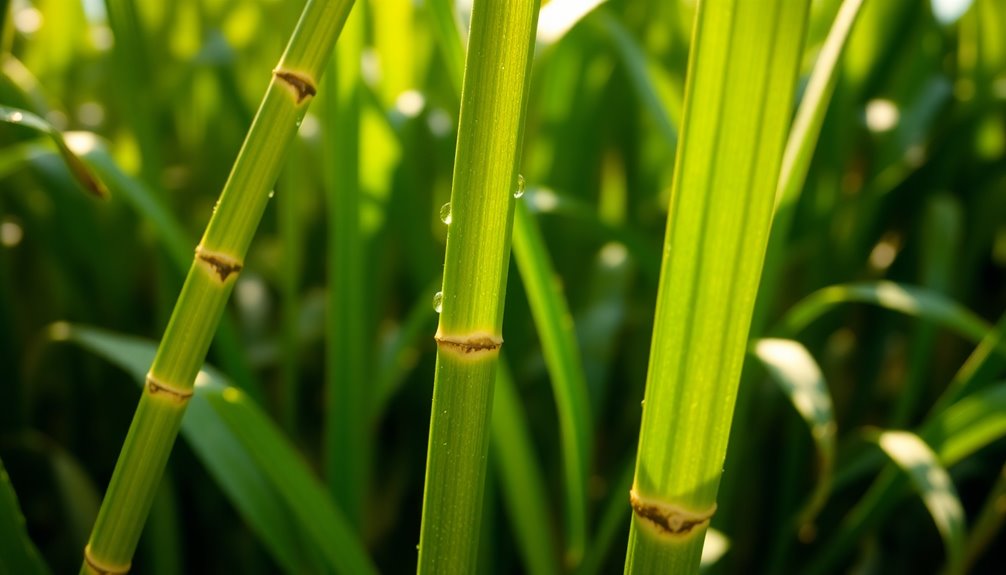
[
  {"x": 800, "y": 379},
  {"x": 81, "y": 172},
  {"x": 261, "y": 473},
  {"x": 933, "y": 484},
  {"x": 18, "y": 555}
]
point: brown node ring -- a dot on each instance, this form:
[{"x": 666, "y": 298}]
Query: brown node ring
[
  {"x": 302, "y": 84},
  {"x": 222, "y": 264},
  {"x": 155, "y": 388},
  {"x": 100, "y": 569},
  {"x": 469, "y": 344},
  {"x": 667, "y": 519}
]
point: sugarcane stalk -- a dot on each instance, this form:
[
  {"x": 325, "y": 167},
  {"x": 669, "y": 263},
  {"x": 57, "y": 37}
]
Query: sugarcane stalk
[
  {"x": 490, "y": 133},
  {"x": 218, "y": 261}
]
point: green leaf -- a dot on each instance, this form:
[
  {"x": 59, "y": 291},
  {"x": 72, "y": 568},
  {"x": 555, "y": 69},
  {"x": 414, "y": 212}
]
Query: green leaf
[
  {"x": 953, "y": 435},
  {"x": 522, "y": 482},
  {"x": 554, "y": 323},
  {"x": 800, "y": 146},
  {"x": 906, "y": 299},
  {"x": 798, "y": 375},
  {"x": 933, "y": 484},
  {"x": 741, "y": 83},
  {"x": 84, "y": 176},
  {"x": 18, "y": 555},
  {"x": 658, "y": 92},
  {"x": 255, "y": 466}
]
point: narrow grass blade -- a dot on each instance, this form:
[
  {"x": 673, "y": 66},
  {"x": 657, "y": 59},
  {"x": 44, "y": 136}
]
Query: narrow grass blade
[
  {"x": 545, "y": 201},
  {"x": 611, "y": 522},
  {"x": 800, "y": 378},
  {"x": 741, "y": 82},
  {"x": 953, "y": 435},
  {"x": 988, "y": 523},
  {"x": 562, "y": 357},
  {"x": 346, "y": 430},
  {"x": 176, "y": 241},
  {"x": 399, "y": 354},
  {"x": 262, "y": 474},
  {"x": 217, "y": 263},
  {"x": 447, "y": 32},
  {"x": 17, "y": 552},
  {"x": 657, "y": 90},
  {"x": 981, "y": 366},
  {"x": 933, "y": 484},
  {"x": 800, "y": 148},
  {"x": 132, "y": 74},
  {"x": 522, "y": 482},
  {"x": 81, "y": 172},
  {"x": 906, "y": 299},
  {"x": 289, "y": 217},
  {"x": 490, "y": 136}
]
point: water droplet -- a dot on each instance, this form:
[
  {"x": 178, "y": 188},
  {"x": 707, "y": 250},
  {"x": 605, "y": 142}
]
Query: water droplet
[
  {"x": 438, "y": 301},
  {"x": 272, "y": 193},
  {"x": 520, "y": 187},
  {"x": 445, "y": 213}
]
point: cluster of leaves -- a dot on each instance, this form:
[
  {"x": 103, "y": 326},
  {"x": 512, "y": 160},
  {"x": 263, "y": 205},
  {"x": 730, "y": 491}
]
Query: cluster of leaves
[{"x": 902, "y": 209}]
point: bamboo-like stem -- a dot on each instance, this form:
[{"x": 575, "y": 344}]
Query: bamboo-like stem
[
  {"x": 210, "y": 280},
  {"x": 490, "y": 133},
  {"x": 346, "y": 429},
  {"x": 742, "y": 78}
]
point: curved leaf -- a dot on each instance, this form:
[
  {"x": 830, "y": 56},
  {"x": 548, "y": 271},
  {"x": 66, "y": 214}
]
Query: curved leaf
[
  {"x": 562, "y": 358},
  {"x": 907, "y": 299},
  {"x": 933, "y": 484},
  {"x": 262, "y": 474},
  {"x": 17, "y": 553},
  {"x": 84, "y": 176},
  {"x": 798, "y": 375},
  {"x": 523, "y": 484}
]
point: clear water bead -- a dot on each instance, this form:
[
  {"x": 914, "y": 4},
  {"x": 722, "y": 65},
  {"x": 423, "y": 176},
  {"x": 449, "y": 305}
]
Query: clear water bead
[
  {"x": 445, "y": 213},
  {"x": 520, "y": 187},
  {"x": 438, "y": 301}
]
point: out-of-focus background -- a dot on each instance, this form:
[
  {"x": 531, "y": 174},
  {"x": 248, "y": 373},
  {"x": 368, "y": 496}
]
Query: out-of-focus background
[{"x": 907, "y": 185}]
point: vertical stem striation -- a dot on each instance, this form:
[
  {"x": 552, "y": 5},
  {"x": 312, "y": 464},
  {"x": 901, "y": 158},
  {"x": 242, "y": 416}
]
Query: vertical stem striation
[
  {"x": 490, "y": 133},
  {"x": 208, "y": 284},
  {"x": 742, "y": 78},
  {"x": 346, "y": 430}
]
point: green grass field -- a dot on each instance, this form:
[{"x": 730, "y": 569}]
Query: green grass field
[{"x": 503, "y": 286}]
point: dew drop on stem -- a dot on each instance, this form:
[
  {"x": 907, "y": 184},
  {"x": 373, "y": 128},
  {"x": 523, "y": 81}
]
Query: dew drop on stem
[
  {"x": 520, "y": 187},
  {"x": 438, "y": 301},
  {"x": 445, "y": 213}
]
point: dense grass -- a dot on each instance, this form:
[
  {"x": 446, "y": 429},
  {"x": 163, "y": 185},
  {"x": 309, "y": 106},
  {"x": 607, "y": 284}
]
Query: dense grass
[{"x": 880, "y": 311}]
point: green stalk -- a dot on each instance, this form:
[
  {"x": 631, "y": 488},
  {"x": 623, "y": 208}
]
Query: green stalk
[
  {"x": 210, "y": 280},
  {"x": 551, "y": 316},
  {"x": 742, "y": 77},
  {"x": 490, "y": 133},
  {"x": 346, "y": 418}
]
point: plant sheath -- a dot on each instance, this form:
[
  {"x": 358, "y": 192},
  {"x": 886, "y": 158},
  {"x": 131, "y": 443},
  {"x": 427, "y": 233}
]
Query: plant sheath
[
  {"x": 490, "y": 132},
  {"x": 209, "y": 282},
  {"x": 742, "y": 77}
]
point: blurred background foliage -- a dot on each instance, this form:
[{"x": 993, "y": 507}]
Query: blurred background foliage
[{"x": 908, "y": 185}]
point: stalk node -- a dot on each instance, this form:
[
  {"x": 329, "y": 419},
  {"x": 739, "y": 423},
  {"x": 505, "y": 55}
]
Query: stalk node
[
  {"x": 669, "y": 520},
  {"x": 303, "y": 85},
  {"x": 96, "y": 567},
  {"x": 177, "y": 394},
  {"x": 477, "y": 343},
  {"x": 222, "y": 264}
]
